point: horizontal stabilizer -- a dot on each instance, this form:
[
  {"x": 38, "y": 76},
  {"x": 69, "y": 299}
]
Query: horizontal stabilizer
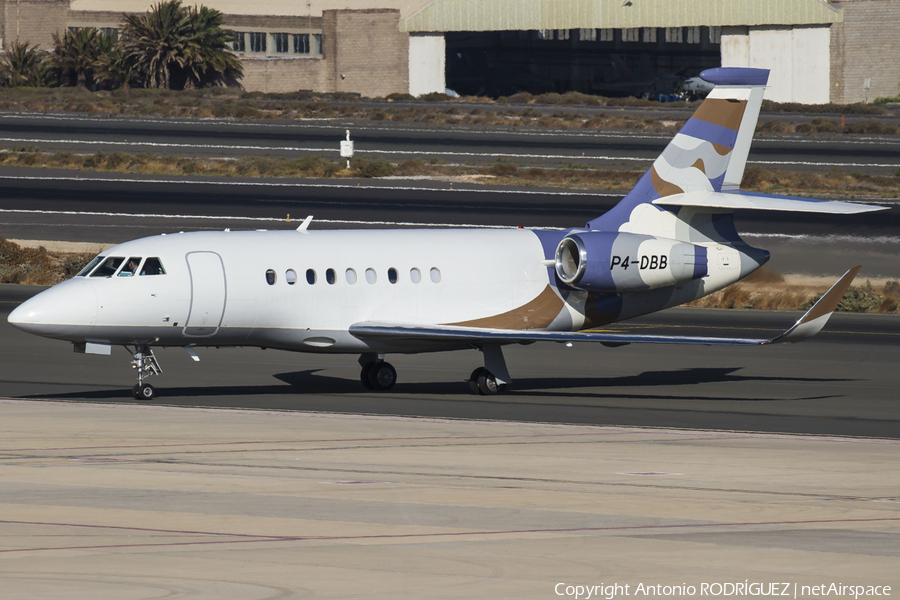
[
  {"x": 397, "y": 333},
  {"x": 752, "y": 201}
]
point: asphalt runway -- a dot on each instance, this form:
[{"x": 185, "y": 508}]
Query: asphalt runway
[
  {"x": 843, "y": 382},
  {"x": 402, "y": 141},
  {"x": 41, "y": 204}
]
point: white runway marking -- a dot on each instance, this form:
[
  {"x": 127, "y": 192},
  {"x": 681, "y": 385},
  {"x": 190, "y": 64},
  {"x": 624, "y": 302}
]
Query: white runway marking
[
  {"x": 256, "y": 219},
  {"x": 330, "y": 150}
]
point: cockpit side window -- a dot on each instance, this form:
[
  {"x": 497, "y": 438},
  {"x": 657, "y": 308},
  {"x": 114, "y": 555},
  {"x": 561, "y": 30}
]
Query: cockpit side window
[
  {"x": 131, "y": 267},
  {"x": 109, "y": 267},
  {"x": 90, "y": 266},
  {"x": 153, "y": 266}
]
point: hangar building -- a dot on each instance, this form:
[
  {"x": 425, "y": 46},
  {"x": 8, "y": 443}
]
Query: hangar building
[{"x": 819, "y": 51}]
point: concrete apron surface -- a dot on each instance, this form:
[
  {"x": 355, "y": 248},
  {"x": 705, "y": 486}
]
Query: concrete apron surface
[{"x": 129, "y": 502}]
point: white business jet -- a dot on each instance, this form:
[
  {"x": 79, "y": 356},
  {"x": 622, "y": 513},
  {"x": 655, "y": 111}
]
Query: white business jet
[{"x": 374, "y": 292}]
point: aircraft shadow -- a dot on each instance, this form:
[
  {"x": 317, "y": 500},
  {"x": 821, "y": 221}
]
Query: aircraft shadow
[{"x": 310, "y": 383}]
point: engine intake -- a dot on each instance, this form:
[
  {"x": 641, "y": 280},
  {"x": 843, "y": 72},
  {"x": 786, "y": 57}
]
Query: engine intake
[{"x": 627, "y": 262}]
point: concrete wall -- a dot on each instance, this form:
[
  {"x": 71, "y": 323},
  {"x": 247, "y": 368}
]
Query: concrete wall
[
  {"x": 866, "y": 45},
  {"x": 799, "y": 59},
  {"x": 368, "y": 52},
  {"x": 32, "y": 21},
  {"x": 280, "y": 75},
  {"x": 427, "y": 64}
]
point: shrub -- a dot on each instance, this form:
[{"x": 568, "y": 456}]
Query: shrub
[
  {"x": 369, "y": 167},
  {"x": 855, "y": 300}
]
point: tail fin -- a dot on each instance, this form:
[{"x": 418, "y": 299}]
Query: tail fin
[{"x": 709, "y": 153}]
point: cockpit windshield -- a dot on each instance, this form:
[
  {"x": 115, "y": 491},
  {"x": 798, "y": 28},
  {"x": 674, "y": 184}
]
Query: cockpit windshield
[
  {"x": 153, "y": 266},
  {"x": 90, "y": 266},
  {"x": 131, "y": 267},
  {"x": 109, "y": 267}
]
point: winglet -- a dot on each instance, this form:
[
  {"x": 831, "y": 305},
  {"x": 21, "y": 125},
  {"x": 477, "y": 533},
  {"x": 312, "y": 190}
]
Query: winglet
[
  {"x": 305, "y": 224},
  {"x": 815, "y": 318}
]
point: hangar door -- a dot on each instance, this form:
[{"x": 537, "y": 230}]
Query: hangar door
[{"x": 208, "y": 294}]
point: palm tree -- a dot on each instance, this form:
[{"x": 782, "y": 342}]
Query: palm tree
[
  {"x": 25, "y": 65},
  {"x": 75, "y": 55},
  {"x": 111, "y": 68},
  {"x": 172, "y": 46},
  {"x": 209, "y": 61}
]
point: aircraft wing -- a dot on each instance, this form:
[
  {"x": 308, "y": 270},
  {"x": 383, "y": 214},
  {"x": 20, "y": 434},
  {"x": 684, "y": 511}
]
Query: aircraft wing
[{"x": 807, "y": 326}]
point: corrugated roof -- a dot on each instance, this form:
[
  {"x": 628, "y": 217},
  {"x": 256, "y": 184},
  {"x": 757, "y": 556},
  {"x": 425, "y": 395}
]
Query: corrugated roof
[
  {"x": 289, "y": 8},
  {"x": 504, "y": 15}
]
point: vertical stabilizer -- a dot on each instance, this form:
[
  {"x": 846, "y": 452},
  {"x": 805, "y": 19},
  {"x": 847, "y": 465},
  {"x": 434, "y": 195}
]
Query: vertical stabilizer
[{"x": 709, "y": 153}]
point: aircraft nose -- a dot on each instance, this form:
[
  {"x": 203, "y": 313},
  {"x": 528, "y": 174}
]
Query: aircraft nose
[{"x": 62, "y": 311}]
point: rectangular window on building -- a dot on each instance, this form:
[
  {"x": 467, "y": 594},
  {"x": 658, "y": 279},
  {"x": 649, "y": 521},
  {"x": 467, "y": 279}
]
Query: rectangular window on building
[
  {"x": 715, "y": 35},
  {"x": 257, "y": 41},
  {"x": 110, "y": 32},
  {"x": 693, "y": 35},
  {"x": 607, "y": 35},
  {"x": 562, "y": 34},
  {"x": 316, "y": 44},
  {"x": 673, "y": 35},
  {"x": 631, "y": 35},
  {"x": 239, "y": 42},
  {"x": 301, "y": 43},
  {"x": 280, "y": 43},
  {"x": 650, "y": 35},
  {"x": 587, "y": 35}
]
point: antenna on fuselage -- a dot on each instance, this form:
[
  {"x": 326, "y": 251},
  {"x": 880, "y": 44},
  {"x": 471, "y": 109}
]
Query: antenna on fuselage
[{"x": 305, "y": 224}]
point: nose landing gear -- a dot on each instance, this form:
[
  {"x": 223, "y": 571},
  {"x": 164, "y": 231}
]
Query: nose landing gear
[{"x": 145, "y": 363}]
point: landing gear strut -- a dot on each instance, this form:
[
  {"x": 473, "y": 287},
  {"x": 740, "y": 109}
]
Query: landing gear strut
[
  {"x": 493, "y": 377},
  {"x": 376, "y": 374},
  {"x": 145, "y": 363}
]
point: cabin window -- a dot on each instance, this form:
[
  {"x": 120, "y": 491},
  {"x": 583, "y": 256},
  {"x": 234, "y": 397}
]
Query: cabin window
[
  {"x": 435, "y": 275},
  {"x": 153, "y": 266},
  {"x": 311, "y": 276},
  {"x": 415, "y": 275},
  {"x": 371, "y": 277},
  {"x": 270, "y": 277},
  {"x": 290, "y": 276},
  {"x": 392, "y": 275},
  {"x": 109, "y": 267},
  {"x": 131, "y": 267},
  {"x": 90, "y": 266},
  {"x": 330, "y": 276},
  {"x": 351, "y": 276}
]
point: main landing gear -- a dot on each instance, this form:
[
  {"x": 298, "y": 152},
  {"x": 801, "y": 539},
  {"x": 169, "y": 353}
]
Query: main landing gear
[
  {"x": 493, "y": 377},
  {"x": 376, "y": 374},
  {"x": 146, "y": 365}
]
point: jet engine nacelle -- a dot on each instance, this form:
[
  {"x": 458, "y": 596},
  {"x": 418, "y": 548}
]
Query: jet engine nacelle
[{"x": 627, "y": 262}]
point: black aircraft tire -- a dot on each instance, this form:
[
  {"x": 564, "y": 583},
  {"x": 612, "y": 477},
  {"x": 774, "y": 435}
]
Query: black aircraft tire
[
  {"x": 382, "y": 376},
  {"x": 145, "y": 392},
  {"x": 364, "y": 376},
  {"x": 487, "y": 384},
  {"x": 473, "y": 381}
]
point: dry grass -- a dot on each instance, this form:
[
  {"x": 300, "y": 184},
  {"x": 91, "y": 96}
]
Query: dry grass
[
  {"x": 832, "y": 183},
  {"x": 768, "y": 290},
  {"x": 37, "y": 266}
]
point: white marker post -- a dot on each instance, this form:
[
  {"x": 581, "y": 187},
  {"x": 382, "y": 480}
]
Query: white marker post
[{"x": 347, "y": 149}]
